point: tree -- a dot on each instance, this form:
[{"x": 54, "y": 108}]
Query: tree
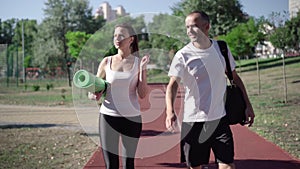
[
  {"x": 100, "y": 44},
  {"x": 29, "y": 31},
  {"x": 11, "y": 32},
  {"x": 57, "y": 21},
  {"x": 293, "y": 31},
  {"x": 243, "y": 38},
  {"x": 279, "y": 39},
  {"x": 76, "y": 41},
  {"x": 46, "y": 49},
  {"x": 167, "y": 34},
  {"x": 81, "y": 17},
  {"x": 62, "y": 16},
  {"x": 224, "y": 14},
  {"x": 279, "y": 34},
  {"x": 7, "y": 31}
]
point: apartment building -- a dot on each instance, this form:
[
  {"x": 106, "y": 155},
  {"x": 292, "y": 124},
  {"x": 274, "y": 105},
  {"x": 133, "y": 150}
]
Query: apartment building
[
  {"x": 294, "y": 7},
  {"x": 108, "y": 13}
]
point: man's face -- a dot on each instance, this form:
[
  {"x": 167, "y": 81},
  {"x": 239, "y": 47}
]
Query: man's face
[{"x": 196, "y": 29}]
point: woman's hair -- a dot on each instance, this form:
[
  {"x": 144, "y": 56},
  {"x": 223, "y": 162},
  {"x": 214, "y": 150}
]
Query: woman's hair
[{"x": 134, "y": 45}]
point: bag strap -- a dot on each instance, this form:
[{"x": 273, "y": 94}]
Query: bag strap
[{"x": 224, "y": 51}]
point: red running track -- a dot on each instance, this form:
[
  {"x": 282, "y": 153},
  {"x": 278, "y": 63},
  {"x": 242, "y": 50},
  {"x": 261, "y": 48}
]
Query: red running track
[{"x": 159, "y": 149}]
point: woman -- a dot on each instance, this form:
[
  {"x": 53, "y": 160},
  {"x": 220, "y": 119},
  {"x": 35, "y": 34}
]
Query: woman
[{"x": 120, "y": 111}]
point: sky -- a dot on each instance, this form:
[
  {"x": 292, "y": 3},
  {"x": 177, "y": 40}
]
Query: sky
[{"x": 33, "y": 9}]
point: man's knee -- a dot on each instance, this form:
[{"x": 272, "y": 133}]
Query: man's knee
[
  {"x": 226, "y": 166},
  {"x": 198, "y": 167}
]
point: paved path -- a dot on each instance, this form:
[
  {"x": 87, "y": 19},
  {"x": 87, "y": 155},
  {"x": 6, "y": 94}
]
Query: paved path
[
  {"x": 159, "y": 149},
  {"x": 38, "y": 116}
]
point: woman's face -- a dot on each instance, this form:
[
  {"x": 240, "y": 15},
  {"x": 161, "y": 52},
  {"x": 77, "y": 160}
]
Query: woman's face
[{"x": 122, "y": 39}]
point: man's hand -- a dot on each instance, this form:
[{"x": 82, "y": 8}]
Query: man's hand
[
  {"x": 170, "y": 121},
  {"x": 249, "y": 115}
]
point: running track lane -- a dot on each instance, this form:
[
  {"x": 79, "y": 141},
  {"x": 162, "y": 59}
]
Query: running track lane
[{"x": 251, "y": 150}]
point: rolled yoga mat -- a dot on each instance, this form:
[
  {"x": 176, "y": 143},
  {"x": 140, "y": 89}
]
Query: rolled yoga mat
[{"x": 88, "y": 81}]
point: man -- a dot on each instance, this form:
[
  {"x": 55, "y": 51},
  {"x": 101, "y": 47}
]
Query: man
[{"x": 201, "y": 68}]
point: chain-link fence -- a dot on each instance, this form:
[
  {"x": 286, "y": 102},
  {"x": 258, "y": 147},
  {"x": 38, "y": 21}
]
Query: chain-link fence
[
  {"x": 11, "y": 65},
  {"x": 3, "y": 64}
]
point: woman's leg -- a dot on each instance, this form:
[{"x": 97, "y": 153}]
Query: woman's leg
[
  {"x": 109, "y": 140},
  {"x": 130, "y": 137}
]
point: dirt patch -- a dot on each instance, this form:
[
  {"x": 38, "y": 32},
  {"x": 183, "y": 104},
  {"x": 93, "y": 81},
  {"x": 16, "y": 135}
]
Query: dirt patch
[
  {"x": 44, "y": 148},
  {"x": 42, "y": 137}
]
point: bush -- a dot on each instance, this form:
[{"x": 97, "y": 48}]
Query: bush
[
  {"x": 49, "y": 86},
  {"x": 153, "y": 72},
  {"x": 36, "y": 88},
  {"x": 63, "y": 95}
]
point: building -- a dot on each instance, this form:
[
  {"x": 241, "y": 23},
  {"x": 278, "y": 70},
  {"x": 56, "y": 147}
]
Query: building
[
  {"x": 268, "y": 50},
  {"x": 294, "y": 7},
  {"x": 108, "y": 13}
]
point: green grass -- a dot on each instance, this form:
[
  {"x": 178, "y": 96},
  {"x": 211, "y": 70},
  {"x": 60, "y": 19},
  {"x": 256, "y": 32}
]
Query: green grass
[
  {"x": 25, "y": 94},
  {"x": 275, "y": 120},
  {"x": 250, "y": 65}
]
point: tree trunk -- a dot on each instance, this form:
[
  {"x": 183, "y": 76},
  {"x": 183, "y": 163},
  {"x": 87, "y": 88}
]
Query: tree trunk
[
  {"x": 284, "y": 77},
  {"x": 258, "y": 74}
]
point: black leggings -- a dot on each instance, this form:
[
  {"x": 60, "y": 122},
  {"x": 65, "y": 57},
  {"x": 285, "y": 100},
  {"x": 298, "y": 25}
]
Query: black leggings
[{"x": 111, "y": 129}]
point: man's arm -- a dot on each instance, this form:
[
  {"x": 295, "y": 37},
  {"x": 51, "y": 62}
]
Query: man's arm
[
  {"x": 170, "y": 99},
  {"x": 249, "y": 110}
]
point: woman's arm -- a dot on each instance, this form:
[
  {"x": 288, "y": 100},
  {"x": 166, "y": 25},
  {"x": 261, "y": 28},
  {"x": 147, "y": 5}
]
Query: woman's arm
[
  {"x": 101, "y": 68},
  {"x": 142, "y": 82},
  {"x": 100, "y": 73}
]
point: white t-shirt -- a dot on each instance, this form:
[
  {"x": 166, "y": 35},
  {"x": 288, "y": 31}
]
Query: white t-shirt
[
  {"x": 121, "y": 95},
  {"x": 202, "y": 72}
]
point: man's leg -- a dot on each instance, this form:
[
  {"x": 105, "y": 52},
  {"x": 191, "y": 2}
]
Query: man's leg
[
  {"x": 223, "y": 146},
  {"x": 196, "y": 153},
  {"x": 226, "y": 166}
]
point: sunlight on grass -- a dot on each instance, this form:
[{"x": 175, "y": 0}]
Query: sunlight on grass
[{"x": 275, "y": 120}]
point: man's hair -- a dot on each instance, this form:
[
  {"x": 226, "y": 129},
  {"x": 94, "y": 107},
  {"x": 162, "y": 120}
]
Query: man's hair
[{"x": 204, "y": 16}]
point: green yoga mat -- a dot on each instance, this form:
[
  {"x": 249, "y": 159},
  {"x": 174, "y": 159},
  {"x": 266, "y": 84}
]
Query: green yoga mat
[{"x": 88, "y": 81}]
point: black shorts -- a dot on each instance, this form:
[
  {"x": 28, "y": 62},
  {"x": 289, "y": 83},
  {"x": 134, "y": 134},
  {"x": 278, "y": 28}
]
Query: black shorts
[{"x": 198, "y": 138}]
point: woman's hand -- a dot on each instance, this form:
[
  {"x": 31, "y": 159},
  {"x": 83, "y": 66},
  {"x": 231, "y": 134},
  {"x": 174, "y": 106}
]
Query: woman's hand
[
  {"x": 144, "y": 61},
  {"x": 143, "y": 66},
  {"x": 95, "y": 96}
]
